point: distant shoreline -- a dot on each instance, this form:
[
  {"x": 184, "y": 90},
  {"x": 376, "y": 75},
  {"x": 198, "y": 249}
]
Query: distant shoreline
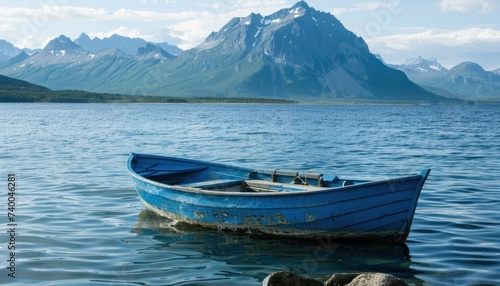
[{"x": 74, "y": 96}]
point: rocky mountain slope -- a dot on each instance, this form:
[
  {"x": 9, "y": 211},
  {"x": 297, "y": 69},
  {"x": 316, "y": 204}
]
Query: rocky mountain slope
[{"x": 297, "y": 53}]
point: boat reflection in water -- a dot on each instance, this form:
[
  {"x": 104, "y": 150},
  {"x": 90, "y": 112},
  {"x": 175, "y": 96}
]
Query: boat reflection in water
[{"x": 255, "y": 256}]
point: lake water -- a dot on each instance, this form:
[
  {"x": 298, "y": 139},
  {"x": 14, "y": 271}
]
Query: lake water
[{"x": 80, "y": 222}]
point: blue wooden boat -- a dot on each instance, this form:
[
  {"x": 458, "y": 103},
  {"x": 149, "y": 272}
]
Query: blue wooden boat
[{"x": 277, "y": 202}]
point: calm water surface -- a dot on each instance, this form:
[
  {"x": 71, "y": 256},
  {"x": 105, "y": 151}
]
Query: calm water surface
[{"x": 79, "y": 221}]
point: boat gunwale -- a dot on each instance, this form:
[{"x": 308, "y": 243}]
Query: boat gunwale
[{"x": 422, "y": 177}]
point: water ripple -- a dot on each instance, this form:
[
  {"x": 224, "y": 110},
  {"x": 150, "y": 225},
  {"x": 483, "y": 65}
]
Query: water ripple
[{"x": 80, "y": 222}]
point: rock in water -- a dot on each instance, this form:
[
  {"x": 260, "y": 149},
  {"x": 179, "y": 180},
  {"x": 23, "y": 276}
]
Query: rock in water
[
  {"x": 341, "y": 279},
  {"x": 285, "y": 278},
  {"x": 363, "y": 279}
]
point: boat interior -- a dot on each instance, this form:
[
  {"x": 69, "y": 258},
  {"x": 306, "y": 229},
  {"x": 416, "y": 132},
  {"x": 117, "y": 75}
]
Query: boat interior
[{"x": 207, "y": 178}]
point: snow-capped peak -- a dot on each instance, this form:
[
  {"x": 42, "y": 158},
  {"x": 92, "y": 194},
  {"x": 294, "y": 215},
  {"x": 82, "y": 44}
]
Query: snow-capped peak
[{"x": 424, "y": 65}]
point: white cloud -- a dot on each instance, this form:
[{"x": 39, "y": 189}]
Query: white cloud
[
  {"x": 7, "y": 27},
  {"x": 32, "y": 21},
  {"x": 367, "y": 6},
  {"x": 16, "y": 14},
  {"x": 127, "y": 14},
  {"x": 71, "y": 12},
  {"x": 481, "y": 45},
  {"x": 260, "y": 3},
  {"x": 470, "y": 36},
  {"x": 467, "y": 6},
  {"x": 122, "y": 31},
  {"x": 371, "y": 6},
  {"x": 84, "y": 13},
  {"x": 193, "y": 31}
]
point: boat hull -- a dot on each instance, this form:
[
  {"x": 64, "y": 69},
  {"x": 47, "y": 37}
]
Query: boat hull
[{"x": 375, "y": 210}]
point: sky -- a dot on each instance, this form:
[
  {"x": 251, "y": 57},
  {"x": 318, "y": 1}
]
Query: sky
[{"x": 452, "y": 31}]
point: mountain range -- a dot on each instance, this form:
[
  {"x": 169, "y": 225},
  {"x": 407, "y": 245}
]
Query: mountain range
[
  {"x": 297, "y": 53},
  {"x": 467, "y": 81},
  {"x": 8, "y": 51},
  {"x": 125, "y": 44}
]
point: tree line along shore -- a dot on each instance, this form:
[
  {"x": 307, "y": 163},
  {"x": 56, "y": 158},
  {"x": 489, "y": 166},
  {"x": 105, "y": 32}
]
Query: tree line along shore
[{"x": 76, "y": 96}]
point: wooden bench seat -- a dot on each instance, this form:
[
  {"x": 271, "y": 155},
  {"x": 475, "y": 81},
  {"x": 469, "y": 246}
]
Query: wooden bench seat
[
  {"x": 214, "y": 184},
  {"x": 268, "y": 186}
]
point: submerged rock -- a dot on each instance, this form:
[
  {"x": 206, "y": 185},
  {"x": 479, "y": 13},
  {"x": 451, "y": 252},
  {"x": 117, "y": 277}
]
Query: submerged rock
[{"x": 285, "y": 278}]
